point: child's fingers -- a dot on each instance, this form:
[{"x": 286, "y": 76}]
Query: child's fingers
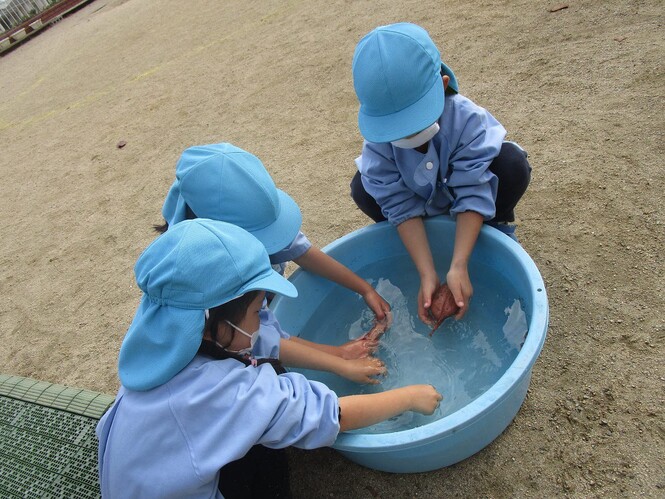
[
  {"x": 381, "y": 371},
  {"x": 423, "y": 315},
  {"x": 456, "y": 290}
]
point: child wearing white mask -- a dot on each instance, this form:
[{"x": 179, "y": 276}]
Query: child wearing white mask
[
  {"x": 430, "y": 151},
  {"x": 193, "y": 418},
  {"x": 223, "y": 182}
]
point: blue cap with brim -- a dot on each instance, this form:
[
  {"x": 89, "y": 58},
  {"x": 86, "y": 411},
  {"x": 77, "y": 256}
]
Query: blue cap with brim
[
  {"x": 224, "y": 182},
  {"x": 397, "y": 79},
  {"x": 196, "y": 265}
]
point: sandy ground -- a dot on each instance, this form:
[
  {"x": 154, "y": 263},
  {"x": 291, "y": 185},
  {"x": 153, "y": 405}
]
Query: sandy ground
[{"x": 581, "y": 89}]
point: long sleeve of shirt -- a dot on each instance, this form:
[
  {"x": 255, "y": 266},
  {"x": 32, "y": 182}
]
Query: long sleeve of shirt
[{"x": 172, "y": 441}]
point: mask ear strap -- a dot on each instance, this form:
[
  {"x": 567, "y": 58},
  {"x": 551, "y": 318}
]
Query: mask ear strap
[{"x": 237, "y": 328}]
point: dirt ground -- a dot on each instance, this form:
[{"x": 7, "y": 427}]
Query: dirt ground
[{"x": 581, "y": 89}]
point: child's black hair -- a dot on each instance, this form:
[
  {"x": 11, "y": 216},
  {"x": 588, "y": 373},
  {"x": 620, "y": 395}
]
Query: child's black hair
[{"x": 189, "y": 215}]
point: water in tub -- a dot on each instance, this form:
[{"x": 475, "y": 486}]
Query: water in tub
[{"x": 462, "y": 360}]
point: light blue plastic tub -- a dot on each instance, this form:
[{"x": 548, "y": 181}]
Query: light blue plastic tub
[{"x": 375, "y": 250}]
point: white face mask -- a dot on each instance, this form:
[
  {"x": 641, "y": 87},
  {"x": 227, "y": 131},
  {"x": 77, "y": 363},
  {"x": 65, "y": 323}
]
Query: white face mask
[
  {"x": 418, "y": 139},
  {"x": 252, "y": 339}
]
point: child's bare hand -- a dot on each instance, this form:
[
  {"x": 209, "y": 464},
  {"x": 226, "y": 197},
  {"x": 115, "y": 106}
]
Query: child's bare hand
[
  {"x": 428, "y": 285},
  {"x": 425, "y": 399},
  {"x": 377, "y": 304},
  {"x": 364, "y": 370},
  {"x": 358, "y": 348},
  {"x": 461, "y": 288}
]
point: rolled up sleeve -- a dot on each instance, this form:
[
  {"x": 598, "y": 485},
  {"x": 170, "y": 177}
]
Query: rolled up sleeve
[{"x": 298, "y": 247}]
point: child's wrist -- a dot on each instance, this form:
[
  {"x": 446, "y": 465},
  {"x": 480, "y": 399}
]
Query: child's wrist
[
  {"x": 459, "y": 264},
  {"x": 366, "y": 289}
]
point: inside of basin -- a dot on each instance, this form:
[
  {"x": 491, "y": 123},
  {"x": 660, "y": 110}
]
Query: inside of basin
[{"x": 463, "y": 359}]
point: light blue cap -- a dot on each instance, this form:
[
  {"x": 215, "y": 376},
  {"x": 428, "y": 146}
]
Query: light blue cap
[
  {"x": 397, "y": 78},
  {"x": 195, "y": 265},
  {"x": 224, "y": 182}
]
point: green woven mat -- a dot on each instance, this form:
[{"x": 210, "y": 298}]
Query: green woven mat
[{"x": 48, "y": 446}]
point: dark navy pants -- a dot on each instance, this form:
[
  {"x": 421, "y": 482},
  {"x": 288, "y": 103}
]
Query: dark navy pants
[
  {"x": 510, "y": 166},
  {"x": 261, "y": 473}
]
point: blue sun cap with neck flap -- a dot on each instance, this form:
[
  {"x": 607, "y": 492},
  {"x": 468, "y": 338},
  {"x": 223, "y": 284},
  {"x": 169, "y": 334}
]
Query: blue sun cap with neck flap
[{"x": 195, "y": 265}]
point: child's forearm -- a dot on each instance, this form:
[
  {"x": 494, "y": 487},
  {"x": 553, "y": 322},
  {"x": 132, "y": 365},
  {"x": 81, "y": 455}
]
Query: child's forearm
[
  {"x": 299, "y": 354},
  {"x": 317, "y": 262},
  {"x": 467, "y": 229},
  {"x": 359, "y": 411},
  {"x": 329, "y": 349},
  {"x": 413, "y": 235}
]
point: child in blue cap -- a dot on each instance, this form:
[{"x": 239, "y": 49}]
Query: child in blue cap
[
  {"x": 195, "y": 418},
  {"x": 224, "y": 182},
  {"x": 429, "y": 151}
]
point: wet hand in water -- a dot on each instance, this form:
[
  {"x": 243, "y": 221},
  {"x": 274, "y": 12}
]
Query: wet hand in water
[
  {"x": 377, "y": 304},
  {"x": 358, "y": 348},
  {"x": 425, "y": 399},
  {"x": 365, "y": 370},
  {"x": 368, "y": 343},
  {"x": 460, "y": 285},
  {"x": 428, "y": 285}
]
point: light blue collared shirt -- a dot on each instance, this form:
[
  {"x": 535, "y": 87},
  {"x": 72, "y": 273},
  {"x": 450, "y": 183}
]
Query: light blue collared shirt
[
  {"x": 451, "y": 178},
  {"x": 172, "y": 441},
  {"x": 270, "y": 334}
]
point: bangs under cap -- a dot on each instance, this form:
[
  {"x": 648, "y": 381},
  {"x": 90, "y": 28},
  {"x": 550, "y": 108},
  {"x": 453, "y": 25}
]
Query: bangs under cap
[
  {"x": 224, "y": 182},
  {"x": 397, "y": 79},
  {"x": 196, "y": 265}
]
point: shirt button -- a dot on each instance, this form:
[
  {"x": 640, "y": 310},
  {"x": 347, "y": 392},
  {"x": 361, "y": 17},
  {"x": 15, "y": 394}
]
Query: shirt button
[{"x": 429, "y": 165}]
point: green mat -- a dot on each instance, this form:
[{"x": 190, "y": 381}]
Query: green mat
[{"x": 48, "y": 446}]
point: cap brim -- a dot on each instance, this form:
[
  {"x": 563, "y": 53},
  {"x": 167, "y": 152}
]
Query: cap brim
[
  {"x": 281, "y": 233},
  {"x": 273, "y": 282},
  {"x": 160, "y": 342},
  {"x": 408, "y": 121}
]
